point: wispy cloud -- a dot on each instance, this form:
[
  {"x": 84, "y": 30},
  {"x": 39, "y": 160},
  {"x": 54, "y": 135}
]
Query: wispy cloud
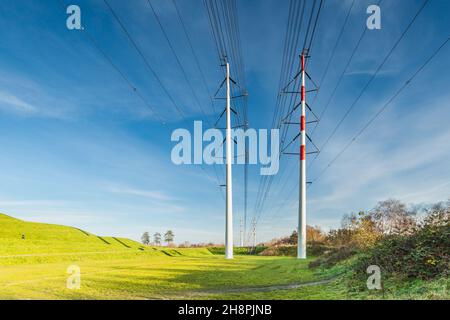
[
  {"x": 33, "y": 203},
  {"x": 158, "y": 201},
  {"x": 155, "y": 195},
  {"x": 370, "y": 72},
  {"x": 10, "y": 102},
  {"x": 24, "y": 97},
  {"x": 392, "y": 165}
]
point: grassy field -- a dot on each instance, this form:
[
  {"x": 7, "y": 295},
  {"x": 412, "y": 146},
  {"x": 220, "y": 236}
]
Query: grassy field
[
  {"x": 34, "y": 258},
  {"x": 113, "y": 268}
]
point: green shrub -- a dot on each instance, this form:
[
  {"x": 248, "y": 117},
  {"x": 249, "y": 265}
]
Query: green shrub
[
  {"x": 237, "y": 250},
  {"x": 280, "y": 250},
  {"x": 316, "y": 249},
  {"x": 333, "y": 257},
  {"x": 424, "y": 254}
]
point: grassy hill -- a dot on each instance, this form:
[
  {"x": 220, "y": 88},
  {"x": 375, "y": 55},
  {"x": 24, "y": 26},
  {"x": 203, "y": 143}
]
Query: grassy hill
[
  {"x": 22, "y": 241},
  {"x": 35, "y": 267},
  {"x": 34, "y": 258}
]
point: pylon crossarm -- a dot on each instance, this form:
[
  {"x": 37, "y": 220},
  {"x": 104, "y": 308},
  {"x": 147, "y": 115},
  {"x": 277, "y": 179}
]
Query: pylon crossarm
[
  {"x": 240, "y": 96},
  {"x": 292, "y": 141},
  {"x": 298, "y": 153},
  {"x": 232, "y": 98},
  {"x": 298, "y": 123},
  {"x": 310, "y": 140},
  {"x": 312, "y": 112},
  {"x": 225, "y": 139},
  {"x": 289, "y": 92},
  {"x": 220, "y": 87},
  {"x": 235, "y": 157},
  {"x": 235, "y": 127},
  {"x": 220, "y": 117},
  {"x": 292, "y": 111},
  {"x": 309, "y": 77},
  {"x": 291, "y": 81}
]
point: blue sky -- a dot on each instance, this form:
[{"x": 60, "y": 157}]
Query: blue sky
[{"x": 79, "y": 148}]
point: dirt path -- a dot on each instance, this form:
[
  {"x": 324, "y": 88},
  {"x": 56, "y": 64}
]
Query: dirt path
[{"x": 263, "y": 289}]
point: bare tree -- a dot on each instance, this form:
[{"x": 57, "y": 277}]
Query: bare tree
[
  {"x": 392, "y": 217},
  {"x": 145, "y": 238},
  {"x": 157, "y": 238},
  {"x": 169, "y": 237}
]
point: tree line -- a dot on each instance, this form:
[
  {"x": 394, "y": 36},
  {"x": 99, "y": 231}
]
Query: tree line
[{"x": 169, "y": 237}]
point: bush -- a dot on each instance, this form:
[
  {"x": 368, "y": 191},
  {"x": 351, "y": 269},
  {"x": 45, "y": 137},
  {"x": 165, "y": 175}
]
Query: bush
[
  {"x": 281, "y": 250},
  {"x": 237, "y": 250},
  {"x": 314, "y": 249},
  {"x": 332, "y": 257},
  {"x": 317, "y": 249},
  {"x": 424, "y": 254}
]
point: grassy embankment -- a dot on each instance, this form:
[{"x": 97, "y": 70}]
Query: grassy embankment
[{"x": 114, "y": 268}]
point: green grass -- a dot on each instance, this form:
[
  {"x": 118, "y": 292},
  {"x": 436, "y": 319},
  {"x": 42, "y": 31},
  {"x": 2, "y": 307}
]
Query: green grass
[
  {"x": 143, "y": 277},
  {"x": 21, "y": 238},
  {"x": 236, "y": 250},
  {"x": 116, "y": 268},
  {"x": 46, "y": 243}
]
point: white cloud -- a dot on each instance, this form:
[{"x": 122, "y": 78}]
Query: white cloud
[
  {"x": 10, "y": 102},
  {"x": 32, "y": 203},
  {"x": 404, "y": 162},
  {"x": 160, "y": 202},
  {"x": 155, "y": 195}
]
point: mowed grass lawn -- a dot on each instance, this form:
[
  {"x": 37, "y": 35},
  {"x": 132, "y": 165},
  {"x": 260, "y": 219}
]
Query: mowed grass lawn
[
  {"x": 34, "y": 259},
  {"x": 154, "y": 277}
]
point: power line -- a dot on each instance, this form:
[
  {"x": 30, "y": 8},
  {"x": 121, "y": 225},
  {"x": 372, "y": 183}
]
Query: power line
[
  {"x": 366, "y": 86},
  {"x": 333, "y": 53},
  {"x": 366, "y": 126},
  {"x": 327, "y": 105},
  {"x": 197, "y": 61},
  {"x": 226, "y": 36},
  {"x": 382, "y": 109},
  {"x": 149, "y": 67},
  {"x": 310, "y": 22},
  {"x": 386, "y": 105},
  {"x": 126, "y": 79},
  {"x": 294, "y": 24},
  {"x": 133, "y": 88},
  {"x": 266, "y": 183},
  {"x": 314, "y": 28},
  {"x": 180, "y": 65}
]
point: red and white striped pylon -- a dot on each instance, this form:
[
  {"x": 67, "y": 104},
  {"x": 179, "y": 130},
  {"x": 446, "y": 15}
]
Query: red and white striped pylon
[{"x": 301, "y": 245}]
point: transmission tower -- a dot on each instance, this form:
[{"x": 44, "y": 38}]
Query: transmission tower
[
  {"x": 227, "y": 82},
  {"x": 301, "y": 249}
]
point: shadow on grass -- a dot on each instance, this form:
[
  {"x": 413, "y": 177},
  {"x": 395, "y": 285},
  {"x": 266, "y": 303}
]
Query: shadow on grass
[
  {"x": 121, "y": 242},
  {"x": 182, "y": 277},
  {"x": 103, "y": 240}
]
